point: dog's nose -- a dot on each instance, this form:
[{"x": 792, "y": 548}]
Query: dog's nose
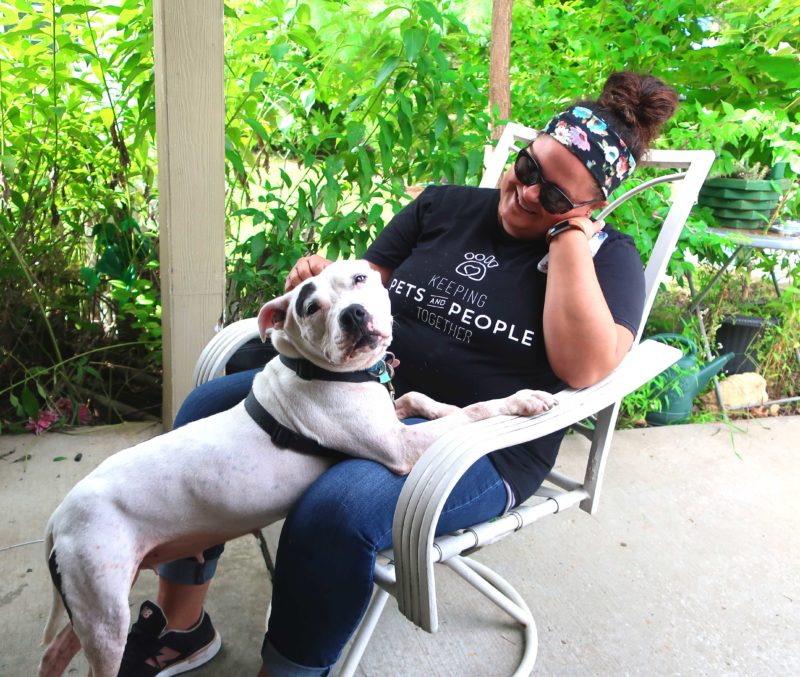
[{"x": 354, "y": 317}]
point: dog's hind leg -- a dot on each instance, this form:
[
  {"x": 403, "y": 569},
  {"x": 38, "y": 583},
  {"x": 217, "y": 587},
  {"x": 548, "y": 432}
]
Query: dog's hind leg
[
  {"x": 103, "y": 640},
  {"x": 96, "y": 572},
  {"x": 98, "y": 599},
  {"x": 57, "y": 603},
  {"x": 60, "y": 651}
]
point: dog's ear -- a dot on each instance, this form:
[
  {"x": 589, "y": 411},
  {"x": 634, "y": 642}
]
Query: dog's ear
[{"x": 272, "y": 315}]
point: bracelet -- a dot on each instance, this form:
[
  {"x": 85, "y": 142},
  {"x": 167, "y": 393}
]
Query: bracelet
[{"x": 562, "y": 227}]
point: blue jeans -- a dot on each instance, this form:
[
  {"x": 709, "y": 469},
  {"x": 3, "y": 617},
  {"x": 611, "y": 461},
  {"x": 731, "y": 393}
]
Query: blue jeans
[{"x": 326, "y": 553}]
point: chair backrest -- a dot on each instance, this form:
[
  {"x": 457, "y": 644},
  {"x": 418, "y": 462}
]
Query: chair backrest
[{"x": 697, "y": 164}]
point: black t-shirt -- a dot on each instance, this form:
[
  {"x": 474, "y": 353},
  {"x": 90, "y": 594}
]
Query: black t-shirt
[{"x": 468, "y": 301}]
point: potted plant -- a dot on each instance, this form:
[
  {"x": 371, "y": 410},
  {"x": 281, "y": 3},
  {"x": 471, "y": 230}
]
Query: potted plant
[
  {"x": 747, "y": 314},
  {"x": 746, "y": 198}
]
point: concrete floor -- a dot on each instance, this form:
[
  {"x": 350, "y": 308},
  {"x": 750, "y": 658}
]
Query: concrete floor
[{"x": 689, "y": 568}]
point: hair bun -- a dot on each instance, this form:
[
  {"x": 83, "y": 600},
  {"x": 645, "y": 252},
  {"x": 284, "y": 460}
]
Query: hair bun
[{"x": 642, "y": 102}]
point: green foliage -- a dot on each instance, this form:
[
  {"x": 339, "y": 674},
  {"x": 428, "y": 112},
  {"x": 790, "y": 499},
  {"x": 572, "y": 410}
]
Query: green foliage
[
  {"x": 334, "y": 109},
  {"x": 735, "y": 66},
  {"x": 331, "y": 116},
  {"x": 77, "y": 271}
]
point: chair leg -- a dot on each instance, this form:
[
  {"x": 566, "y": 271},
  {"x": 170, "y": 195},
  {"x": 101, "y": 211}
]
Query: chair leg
[
  {"x": 364, "y": 633},
  {"x": 502, "y": 593}
]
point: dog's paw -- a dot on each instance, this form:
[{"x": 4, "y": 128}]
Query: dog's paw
[{"x": 530, "y": 402}]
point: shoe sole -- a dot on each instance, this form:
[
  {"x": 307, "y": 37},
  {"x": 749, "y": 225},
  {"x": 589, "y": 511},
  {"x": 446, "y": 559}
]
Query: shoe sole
[{"x": 197, "y": 659}]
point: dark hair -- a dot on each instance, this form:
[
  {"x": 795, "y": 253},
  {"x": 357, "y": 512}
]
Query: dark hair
[{"x": 636, "y": 107}]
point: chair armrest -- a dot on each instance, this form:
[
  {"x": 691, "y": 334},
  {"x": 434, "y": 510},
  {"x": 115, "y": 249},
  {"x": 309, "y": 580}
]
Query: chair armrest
[
  {"x": 219, "y": 349},
  {"x": 444, "y": 463}
]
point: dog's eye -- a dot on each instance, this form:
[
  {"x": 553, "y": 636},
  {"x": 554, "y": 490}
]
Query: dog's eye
[
  {"x": 359, "y": 279},
  {"x": 312, "y": 308}
]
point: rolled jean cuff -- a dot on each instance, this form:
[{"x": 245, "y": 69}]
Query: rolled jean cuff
[
  {"x": 190, "y": 571},
  {"x": 277, "y": 665}
]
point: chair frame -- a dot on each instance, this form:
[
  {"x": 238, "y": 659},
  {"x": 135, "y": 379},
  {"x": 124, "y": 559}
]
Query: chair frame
[{"x": 407, "y": 571}]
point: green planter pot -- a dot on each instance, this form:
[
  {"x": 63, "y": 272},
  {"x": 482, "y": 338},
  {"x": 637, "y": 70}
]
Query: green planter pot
[{"x": 741, "y": 203}]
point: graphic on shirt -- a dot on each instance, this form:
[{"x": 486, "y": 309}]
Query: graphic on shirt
[
  {"x": 476, "y": 265},
  {"x": 459, "y": 309}
]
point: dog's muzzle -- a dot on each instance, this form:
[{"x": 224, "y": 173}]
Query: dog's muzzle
[{"x": 355, "y": 321}]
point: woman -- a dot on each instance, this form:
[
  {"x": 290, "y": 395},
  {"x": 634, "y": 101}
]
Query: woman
[{"x": 475, "y": 318}]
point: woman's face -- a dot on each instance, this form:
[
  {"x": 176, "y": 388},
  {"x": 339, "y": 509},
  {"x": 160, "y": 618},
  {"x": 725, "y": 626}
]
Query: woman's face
[{"x": 521, "y": 214}]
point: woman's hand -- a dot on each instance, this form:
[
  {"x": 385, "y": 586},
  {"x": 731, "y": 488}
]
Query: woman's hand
[
  {"x": 589, "y": 227},
  {"x": 306, "y": 267}
]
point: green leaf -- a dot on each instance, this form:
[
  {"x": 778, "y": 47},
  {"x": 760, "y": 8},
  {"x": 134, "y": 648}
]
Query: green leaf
[
  {"x": 65, "y": 10},
  {"x": 357, "y": 102},
  {"x": 440, "y": 125},
  {"x": 785, "y": 69},
  {"x": 428, "y": 11},
  {"x": 386, "y": 70},
  {"x": 236, "y": 160},
  {"x": 256, "y": 79},
  {"x": 16, "y": 404},
  {"x": 30, "y": 405},
  {"x": 413, "y": 41},
  {"x": 258, "y": 243},
  {"x": 257, "y": 127},
  {"x": 59, "y": 458},
  {"x": 355, "y": 132},
  {"x": 308, "y": 97},
  {"x": 279, "y": 51}
]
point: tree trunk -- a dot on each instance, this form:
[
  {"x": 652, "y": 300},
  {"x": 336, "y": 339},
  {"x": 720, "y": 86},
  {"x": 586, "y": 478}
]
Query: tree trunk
[{"x": 499, "y": 57}]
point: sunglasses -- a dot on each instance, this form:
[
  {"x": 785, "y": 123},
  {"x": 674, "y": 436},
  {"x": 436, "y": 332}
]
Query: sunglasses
[{"x": 551, "y": 197}]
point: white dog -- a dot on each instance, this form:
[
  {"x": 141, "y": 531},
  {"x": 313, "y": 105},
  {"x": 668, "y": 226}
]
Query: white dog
[{"x": 224, "y": 476}]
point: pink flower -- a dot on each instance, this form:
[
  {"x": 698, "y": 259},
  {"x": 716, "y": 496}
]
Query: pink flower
[
  {"x": 65, "y": 407},
  {"x": 561, "y": 132},
  {"x": 45, "y": 419},
  {"x": 578, "y": 137},
  {"x": 84, "y": 415}
]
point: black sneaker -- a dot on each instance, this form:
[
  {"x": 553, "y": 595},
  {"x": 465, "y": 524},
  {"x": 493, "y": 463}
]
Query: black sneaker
[{"x": 154, "y": 650}]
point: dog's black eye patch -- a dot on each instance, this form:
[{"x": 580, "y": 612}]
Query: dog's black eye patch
[{"x": 299, "y": 305}]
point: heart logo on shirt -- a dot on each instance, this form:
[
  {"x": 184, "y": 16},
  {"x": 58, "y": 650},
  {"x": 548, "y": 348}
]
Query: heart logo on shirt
[
  {"x": 476, "y": 265},
  {"x": 471, "y": 270}
]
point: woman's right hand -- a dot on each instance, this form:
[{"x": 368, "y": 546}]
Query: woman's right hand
[{"x": 306, "y": 267}]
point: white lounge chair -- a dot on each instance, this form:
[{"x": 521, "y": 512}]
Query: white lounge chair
[{"x": 407, "y": 572}]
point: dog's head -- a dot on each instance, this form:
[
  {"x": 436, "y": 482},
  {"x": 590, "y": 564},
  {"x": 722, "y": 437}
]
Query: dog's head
[{"x": 340, "y": 320}]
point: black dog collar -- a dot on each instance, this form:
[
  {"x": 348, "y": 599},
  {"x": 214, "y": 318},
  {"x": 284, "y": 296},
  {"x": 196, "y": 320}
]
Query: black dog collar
[{"x": 308, "y": 371}]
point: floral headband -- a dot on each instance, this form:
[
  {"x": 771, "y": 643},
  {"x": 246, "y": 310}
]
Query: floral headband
[{"x": 600, "y": 148}]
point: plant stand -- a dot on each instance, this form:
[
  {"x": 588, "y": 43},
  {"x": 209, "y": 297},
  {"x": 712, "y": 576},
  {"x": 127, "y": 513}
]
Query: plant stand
[
  {"x": 744, "y": 244},
  {"x": 742, "y": 203}
]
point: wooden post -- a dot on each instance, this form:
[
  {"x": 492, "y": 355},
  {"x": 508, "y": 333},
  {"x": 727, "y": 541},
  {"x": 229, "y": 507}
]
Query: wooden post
[
  {"x": 190, "y": 127},
  {"x": 499, "y": 61}
]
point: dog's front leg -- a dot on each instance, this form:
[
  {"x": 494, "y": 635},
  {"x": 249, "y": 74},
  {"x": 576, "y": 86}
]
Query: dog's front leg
[
  {"x": 404, "y": 450},
  {"x": 416, "y": 404}
]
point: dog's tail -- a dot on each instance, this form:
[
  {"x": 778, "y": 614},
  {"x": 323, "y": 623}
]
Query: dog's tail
[{"x": 57, "y": 605}]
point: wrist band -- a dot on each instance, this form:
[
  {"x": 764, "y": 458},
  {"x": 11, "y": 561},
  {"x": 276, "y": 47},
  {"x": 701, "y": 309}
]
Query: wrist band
[{"x": 562, "y": 227}]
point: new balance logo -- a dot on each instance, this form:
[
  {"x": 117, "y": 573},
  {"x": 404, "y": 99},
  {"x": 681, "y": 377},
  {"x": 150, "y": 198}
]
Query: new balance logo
[{"x": 165, "y": 657}]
